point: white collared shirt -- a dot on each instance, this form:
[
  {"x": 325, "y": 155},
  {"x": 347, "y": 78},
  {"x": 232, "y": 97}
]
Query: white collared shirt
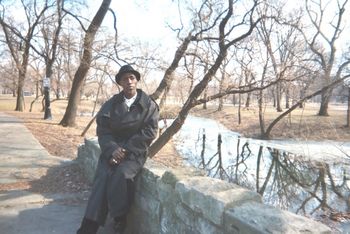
[{"x": 130, "y": 101}]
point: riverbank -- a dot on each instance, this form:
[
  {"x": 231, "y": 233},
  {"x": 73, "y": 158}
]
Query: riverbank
[{"x": 301, "y": 124}]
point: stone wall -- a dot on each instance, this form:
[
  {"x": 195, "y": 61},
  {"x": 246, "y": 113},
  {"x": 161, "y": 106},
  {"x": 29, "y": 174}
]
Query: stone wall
[{"x": 183, "y": 200}]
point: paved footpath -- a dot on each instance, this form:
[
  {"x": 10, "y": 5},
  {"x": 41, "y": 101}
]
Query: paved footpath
[{"x": 24, "y": 159}]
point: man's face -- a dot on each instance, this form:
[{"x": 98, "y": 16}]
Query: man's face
[{"x": 128, "y": 81}]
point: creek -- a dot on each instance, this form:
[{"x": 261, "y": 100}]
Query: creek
[{"x": 305, "y": 177}]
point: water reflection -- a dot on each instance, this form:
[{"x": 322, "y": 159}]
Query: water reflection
[{"x": 289, "y": 181}]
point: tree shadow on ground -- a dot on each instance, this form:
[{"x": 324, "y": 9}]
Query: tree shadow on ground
[{"x": 54, "y": 203}]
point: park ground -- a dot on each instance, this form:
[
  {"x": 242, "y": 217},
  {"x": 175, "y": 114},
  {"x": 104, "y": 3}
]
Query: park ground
[{"x": 302, "y": 124}]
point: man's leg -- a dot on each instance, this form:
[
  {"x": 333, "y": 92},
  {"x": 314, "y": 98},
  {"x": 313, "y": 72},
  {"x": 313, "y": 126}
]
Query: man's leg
[{"x": 88, "y": 227}]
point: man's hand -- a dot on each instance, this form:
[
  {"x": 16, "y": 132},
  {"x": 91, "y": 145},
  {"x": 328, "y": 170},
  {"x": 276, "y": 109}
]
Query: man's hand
[{"x": 117, "y": 156}]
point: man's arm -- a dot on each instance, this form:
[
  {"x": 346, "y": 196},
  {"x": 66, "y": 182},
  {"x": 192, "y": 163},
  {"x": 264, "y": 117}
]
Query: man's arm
[{"x": 105, "y": 137}]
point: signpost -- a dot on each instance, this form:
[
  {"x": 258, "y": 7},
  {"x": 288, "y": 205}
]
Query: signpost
[{"x": 46, "y": 85}]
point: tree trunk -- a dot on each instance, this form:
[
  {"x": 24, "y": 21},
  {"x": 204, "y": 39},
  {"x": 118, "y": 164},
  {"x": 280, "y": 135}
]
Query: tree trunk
[
  {"x": 325, "y": 98},
  {"x": 58, "y": 88},
  {"x": 205, "y": 96},
  {"x": 20, "y": 98},
  {"x": 261, "y": 114},
  {"x": 287, "y": 98},
  {"x": 168, "y": 77},
  {"x": 221, "y": 87},
  {"x": 302, "y": 94},
  {"x": 74, "y": 97},
  {"x": 239, "y": 108},
  {"x": 234, "y": 99},
  {"x": 97, "y": 95},
  {"x": 348, "y": 112},
  {"x": 47, "y": 113},
  {"x": 278, "y": 97},
  {"x": 37, "y": 89},
  {"x": 163, "y": 99},
  {"x": 179, "y": 121},
  {"x": 247, "y": 101}
]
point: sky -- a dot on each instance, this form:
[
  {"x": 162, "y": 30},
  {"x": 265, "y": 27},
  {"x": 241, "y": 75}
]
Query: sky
[
  {"x": 148, "y": 19},
  {"x": 141, "y": 19}
]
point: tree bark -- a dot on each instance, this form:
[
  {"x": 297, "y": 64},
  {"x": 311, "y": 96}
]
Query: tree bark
[
  {"x": 205, "y": 96},
  {"x": 278, "y": 97},
  {"x": 168, "y": 78},
  {"x": 239, "y": 108},
  {"x": 74, "y": 97},
  {"x": 221, "y": 88},
  {"x": 247, "y": 101},
  {"x": 261, "y": 101},
  {"x": 348, "y": 111},
  {"x": 325, "y": 98},
  {"x": 287, "y": 98},
  {"x": 261, "y": 114},
  {"x": 20, "y": 98}
]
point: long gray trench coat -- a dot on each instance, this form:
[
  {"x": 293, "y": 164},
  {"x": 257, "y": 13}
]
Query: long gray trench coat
[{"x": 133, "y": 129}]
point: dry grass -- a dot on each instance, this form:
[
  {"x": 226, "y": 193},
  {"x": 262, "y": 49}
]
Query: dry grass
[
  {"x": 64, "y": 141},
  {"x": 301, "y": 124}
]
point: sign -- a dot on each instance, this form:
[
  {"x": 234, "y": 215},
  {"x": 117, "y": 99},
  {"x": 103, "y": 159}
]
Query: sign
[{"x": 46, "y": 82}]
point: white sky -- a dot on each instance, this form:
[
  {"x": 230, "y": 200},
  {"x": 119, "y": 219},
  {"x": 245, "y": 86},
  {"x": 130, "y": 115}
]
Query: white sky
[
  {"x": 147, "y": 19},
  {"x": 141, "y": 19}
]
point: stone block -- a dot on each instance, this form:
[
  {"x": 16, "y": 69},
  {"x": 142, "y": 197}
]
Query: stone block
[
  {"x": 172, "y": 176},
  {"x": 204, "y": 226},
  {"x": 140, "y": 222},
  {"x": 88, "y": 155},
  {"x": 211, "y": 197},
  {"x": 148, "y": 204},
  {"x": 186, "y": 215},
  {"x": 149, "y": 177},
  {"x": 171, "y": 224},
  {"x": 254, "y": 218},
  {"x": 167, "y": 194}
]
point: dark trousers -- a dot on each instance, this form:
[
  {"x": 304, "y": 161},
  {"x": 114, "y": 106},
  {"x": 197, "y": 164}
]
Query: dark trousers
[{"x": 90, "y": 226}]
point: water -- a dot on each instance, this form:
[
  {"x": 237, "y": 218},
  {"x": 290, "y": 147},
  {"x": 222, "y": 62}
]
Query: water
[{"x": 307, "y": 178}]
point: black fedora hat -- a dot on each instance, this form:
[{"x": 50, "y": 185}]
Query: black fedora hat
[{"x": 126, "y": 69}]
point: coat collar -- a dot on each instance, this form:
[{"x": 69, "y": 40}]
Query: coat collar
[{"x": 140, "y": 99}]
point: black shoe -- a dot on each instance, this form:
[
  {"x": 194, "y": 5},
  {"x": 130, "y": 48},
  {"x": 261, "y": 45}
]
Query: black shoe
[
  {"x": 119, "y": 225},
  {"x": 88, "y": 227}
]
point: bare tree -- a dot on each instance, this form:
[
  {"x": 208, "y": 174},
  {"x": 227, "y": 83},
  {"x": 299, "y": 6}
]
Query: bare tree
[
  {"x": 19, "y": 44},
  {"x": 192, "y": 35},
  {"x": 9, "y": 72},
  {"x": 51, "y": 34},
  {"x": 280, "y": 44},
  {"x": 267, "y": 133},
  {"x": 74, "y": 98},
  {"x": 323, "y": 44},
  {"x": 224, "y": 43},
  {"x": 70, "y": 53}
]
